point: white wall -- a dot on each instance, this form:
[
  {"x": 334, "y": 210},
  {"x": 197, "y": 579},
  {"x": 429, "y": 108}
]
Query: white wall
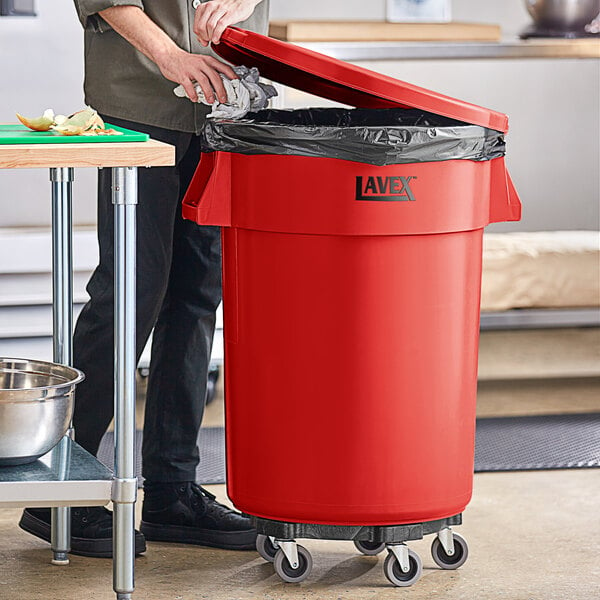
[
  {"x": 42, "y": 67},
  {"x": 510, "y": 14}
]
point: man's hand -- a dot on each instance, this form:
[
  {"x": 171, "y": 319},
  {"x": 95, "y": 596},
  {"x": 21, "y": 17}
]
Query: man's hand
[
  {"x": 213, "y": 17},
  {"x": 182, "y": 67},
  {"x": 175, "y": 64}
]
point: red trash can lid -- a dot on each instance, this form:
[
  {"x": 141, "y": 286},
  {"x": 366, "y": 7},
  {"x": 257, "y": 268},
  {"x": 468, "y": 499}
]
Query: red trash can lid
[{"x": 343, "y": 82}]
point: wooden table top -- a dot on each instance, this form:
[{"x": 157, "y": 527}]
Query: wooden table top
[{"x": 97, "y": 154}]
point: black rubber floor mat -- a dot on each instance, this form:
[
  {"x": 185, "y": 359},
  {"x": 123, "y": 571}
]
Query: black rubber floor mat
[
  {"x": 538, "y": 442},
  {"x": 502, "y": 444},
  {"x": 212, "y": 455}
]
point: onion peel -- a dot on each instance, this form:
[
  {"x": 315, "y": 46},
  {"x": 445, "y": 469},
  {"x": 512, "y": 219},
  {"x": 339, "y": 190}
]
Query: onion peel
[{"x": 43, "y": 123}]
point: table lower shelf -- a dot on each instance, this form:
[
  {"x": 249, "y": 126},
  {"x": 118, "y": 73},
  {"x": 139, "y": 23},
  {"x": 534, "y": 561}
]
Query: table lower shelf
[{"x": 66, "y": 476}]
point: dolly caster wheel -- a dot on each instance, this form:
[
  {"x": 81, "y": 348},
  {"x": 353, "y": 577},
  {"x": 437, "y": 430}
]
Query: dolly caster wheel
[
  {"x": 450, "y": 561},
  {"x": 266, "y": 547},
  {"x": 284, "y": 569},
  {"x": 369, "y": 548},
  {"x": 396, "y": 576},
  {"x": 211, "y": 384}
]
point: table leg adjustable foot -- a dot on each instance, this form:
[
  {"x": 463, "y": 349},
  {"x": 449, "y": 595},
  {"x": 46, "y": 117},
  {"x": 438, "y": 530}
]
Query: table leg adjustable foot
[{"x": 60, "y": 559}]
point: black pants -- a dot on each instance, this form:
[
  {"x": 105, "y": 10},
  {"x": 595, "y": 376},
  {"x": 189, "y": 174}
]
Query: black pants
[{"x": 178, "y": 290}]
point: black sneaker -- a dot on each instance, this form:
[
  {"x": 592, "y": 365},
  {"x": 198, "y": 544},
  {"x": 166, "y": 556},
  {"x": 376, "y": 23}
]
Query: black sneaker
[
  {"x": 91, "y": 530},
  {"x": 188, "y": 514}
]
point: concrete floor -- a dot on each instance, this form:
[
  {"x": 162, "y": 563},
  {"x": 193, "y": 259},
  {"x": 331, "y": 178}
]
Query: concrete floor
[{"x": 532, "y": 535}]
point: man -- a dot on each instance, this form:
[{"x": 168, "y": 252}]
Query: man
[{"x": 136, "y": 53}]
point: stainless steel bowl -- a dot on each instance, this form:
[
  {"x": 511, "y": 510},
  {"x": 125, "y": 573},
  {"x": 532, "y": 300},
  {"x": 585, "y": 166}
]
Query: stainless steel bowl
[
  {"x": 563, "y": 15},
  {"x": 36, "y": 406}
]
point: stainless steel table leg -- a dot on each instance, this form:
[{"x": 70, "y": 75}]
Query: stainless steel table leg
[
  {"x": 124, "y": 193},
  {"x": 62, "y": 315}
]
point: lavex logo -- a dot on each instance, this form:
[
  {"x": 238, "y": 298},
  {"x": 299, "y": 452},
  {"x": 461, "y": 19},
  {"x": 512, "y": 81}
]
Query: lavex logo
[{"x": 386, "y": 189}]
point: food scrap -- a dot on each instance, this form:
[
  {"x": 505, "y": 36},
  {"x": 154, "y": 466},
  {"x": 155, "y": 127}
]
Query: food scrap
[
  {"x": 83, "y": 122},
  {"x": 42, "y": 123}
]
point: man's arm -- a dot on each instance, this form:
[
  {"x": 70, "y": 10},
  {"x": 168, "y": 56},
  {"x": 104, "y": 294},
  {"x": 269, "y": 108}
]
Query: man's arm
[
  {"x": 213, "y": 17},
  {"x": 175, "y": 64}
]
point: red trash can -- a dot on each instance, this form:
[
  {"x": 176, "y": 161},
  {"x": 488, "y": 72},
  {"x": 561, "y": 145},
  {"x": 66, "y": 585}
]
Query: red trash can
[{"x": 351, "y": 320}]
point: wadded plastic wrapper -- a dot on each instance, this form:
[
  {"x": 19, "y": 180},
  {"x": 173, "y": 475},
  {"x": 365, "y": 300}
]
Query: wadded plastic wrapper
[
  {"x": 374, "y": 136},
  {"x": 243, "y": 95}
]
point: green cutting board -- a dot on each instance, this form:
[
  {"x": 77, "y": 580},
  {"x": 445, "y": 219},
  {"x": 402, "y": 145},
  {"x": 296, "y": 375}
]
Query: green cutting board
[{"x": 19, "y": 134}]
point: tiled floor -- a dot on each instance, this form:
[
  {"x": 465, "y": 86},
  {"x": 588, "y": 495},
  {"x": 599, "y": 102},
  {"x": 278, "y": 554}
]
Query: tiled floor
[{"x": 532, "y": 535}]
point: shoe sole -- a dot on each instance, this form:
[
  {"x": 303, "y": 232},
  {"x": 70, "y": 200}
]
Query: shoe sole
[
  {"x": 94, "y": 548},
  {"x": 226, "y": 540}
]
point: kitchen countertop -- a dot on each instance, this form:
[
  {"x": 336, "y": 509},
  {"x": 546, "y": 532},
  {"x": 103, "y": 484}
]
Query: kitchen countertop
[
  {"x": 105, "y": 154},
  {"x": 511, "y": 48}
]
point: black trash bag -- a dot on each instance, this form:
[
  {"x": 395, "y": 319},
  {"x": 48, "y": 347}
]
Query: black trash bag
[{"x": 387, "y": 136}]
